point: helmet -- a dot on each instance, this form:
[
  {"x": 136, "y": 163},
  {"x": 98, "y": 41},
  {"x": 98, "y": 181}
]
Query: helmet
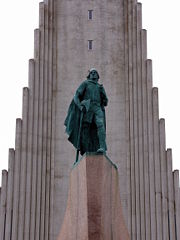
[{"x": 91, "y": 70}]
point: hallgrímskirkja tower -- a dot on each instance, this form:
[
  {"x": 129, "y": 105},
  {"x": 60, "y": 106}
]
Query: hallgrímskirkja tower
[{"x": 72, "y": 37}]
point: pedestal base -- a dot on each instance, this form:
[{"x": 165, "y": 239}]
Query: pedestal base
[{"x": 93, "y": 207}]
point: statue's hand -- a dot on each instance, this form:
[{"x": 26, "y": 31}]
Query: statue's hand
[
  {"x": 86, "y": 105},
  {"x": 83, "y": 109}
]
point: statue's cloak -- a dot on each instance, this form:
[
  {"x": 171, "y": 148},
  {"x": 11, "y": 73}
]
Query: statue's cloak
[{"x": 88, "y": 142}]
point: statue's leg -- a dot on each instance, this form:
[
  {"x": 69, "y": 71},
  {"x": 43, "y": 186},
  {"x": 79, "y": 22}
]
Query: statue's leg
[{"x": 99, "y": 121}]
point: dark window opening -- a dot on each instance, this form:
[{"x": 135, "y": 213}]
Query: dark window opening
[
  {"x": 90, "y": 44},
  {"x": 90, "y": 14}
]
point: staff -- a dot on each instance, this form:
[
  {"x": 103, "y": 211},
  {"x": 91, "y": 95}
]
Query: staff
[{"x": 85, "y": 104}]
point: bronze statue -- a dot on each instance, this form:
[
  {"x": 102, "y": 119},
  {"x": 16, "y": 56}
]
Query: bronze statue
[{"x": 85, "y": 122}]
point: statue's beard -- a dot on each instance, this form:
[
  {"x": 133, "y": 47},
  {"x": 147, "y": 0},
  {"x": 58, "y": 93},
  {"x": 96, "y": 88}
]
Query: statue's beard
[{"x": 94, "y": 78}]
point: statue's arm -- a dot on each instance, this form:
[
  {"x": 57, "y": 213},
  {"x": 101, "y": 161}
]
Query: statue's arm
[
  {"x": 104, "y": 97},
  {"x": 79, "y": 93}
]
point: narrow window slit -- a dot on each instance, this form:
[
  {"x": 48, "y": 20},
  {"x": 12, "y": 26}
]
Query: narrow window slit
[
  {"x": 90, "y": 44},
  {"x": 90, "y": 14}
]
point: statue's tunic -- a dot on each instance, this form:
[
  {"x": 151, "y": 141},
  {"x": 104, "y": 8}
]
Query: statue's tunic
[
  {"x": 93, "y": 91},
  {"x": 93, "y": 123}
]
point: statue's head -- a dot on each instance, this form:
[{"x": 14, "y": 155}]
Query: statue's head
[{"x": 93, "y": 74}]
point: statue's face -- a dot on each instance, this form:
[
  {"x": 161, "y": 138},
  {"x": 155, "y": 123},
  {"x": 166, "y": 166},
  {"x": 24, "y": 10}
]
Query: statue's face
[{"x": 94, "y": 75}]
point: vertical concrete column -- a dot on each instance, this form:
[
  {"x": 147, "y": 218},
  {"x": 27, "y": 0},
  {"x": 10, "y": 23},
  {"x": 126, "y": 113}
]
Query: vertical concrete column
[
  {"x": 35, "y": 135},
  {"x": 49, "y": 26},
  {"x": 129, "y": 196},
  {"x": 10, "y": 193},
  {"x": 51, "y": 114},
  {"x": 170, "y": 195},
  {"x": 132, "y": 160},
  {"x": 23, "y": 163},
  {"x": 0, "y": 202},
  {"x": 158, "y": 190},
  {"x": 17, "y": 172},
  {"x": 140, "y": 121},
  {"x": 0, "y": 198},
  {"x": 45, "y": 125},
  {"x": 135, "y": 119},
  {"x": 0, "y": 195},
  {"x": 31, "y": 76},
  {"x": 29, "y": 151},
  {"x": 141, "y": 67},
  {"x": 177, "y": 207},
  {"x": 3, "y": 204},
  {"x": 150, "y": 150},
  {"x": 162, "y": 141},
  {"x": 40, "y": 121},
  {"x": 145, "y": 134}
]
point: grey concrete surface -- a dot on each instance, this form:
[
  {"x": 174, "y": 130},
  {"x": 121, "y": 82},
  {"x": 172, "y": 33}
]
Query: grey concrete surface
[
  {"x": 29, "y": 152},
  {"x": 177, "y": 200},
  {"x": 145, "y": 135},
  {"x": 158, "y": 192},
  {"x": 40, "y": 111},
  {"x": 73, "y": 32},
  {"x": 135, "y": 135},
  {"x": 10, "y": 191},
  {"x": 162, "y": 141},
  {"x": 151, "y": 152},
  {"x": 16, "y": 182},
  {"x": 172, "y": 233},
  {"x": 3, "y": 203},
  {"x": 35, "y": 133},
  {"x": 23, "y": 167}
]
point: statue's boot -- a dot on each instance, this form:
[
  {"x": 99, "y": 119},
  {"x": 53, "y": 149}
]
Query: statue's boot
[{"x": 102, "y": 140}]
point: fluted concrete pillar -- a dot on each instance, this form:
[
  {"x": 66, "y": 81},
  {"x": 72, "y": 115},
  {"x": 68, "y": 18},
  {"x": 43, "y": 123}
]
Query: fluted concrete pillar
[
  {"x": 139, "y": 120},
  {"x": 162, "y": 141},
  {"x": 44, "y": 42},
  {"x": 138, "y": 176},
  {"x": 151, "y": 151},
  {"x": 0, "y": 195},
  {"x": 17, "y": 172},
  {"x": 131, "y": 121},
  {"x": 177, "y": 200},
  {"x": 145, "y": 134},
  {"x": 29, "y": 172},
  {"x": 129, "y": 195},
  {"x": 35, "y": 134},
  {"x": 134, "y": 131},
  {"x": 52, "y": 107},
  {"x": 10, "y": 193},
  {"x": 40, "y": 101},
  {"x": 157, "y": 169},
  {"x": 170, "y": 195},
  {"x": 3, "y": 204},
  {"x": 23, "y": 166}
]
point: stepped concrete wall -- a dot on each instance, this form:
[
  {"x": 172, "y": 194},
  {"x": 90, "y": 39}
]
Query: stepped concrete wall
[{"x": 35, "y": 189}]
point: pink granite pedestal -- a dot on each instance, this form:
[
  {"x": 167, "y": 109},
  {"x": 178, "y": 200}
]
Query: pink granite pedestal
[{"x": 93, "y": 208}]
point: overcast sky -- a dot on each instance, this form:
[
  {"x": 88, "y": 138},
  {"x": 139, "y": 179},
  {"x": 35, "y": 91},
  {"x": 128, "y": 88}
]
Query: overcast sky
[{"x": 19, "y": 18}]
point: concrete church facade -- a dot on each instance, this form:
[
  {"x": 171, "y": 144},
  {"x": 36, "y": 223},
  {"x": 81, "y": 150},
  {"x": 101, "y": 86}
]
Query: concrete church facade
[{"x": 74, "y": 36}]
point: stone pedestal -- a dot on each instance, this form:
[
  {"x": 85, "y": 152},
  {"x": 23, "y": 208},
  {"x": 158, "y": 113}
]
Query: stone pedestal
[{"x": 94, "y": 208}]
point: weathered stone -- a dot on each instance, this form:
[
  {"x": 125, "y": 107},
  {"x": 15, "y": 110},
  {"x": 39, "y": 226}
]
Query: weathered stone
[{"x": 94, "y": 208}]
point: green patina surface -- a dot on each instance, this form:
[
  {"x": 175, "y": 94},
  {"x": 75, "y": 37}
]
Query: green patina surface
[{"x": 86, "y": 122}]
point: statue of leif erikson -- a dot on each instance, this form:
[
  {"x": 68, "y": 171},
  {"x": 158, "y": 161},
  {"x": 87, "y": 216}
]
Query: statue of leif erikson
[{"x": 85, "y": 122}]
